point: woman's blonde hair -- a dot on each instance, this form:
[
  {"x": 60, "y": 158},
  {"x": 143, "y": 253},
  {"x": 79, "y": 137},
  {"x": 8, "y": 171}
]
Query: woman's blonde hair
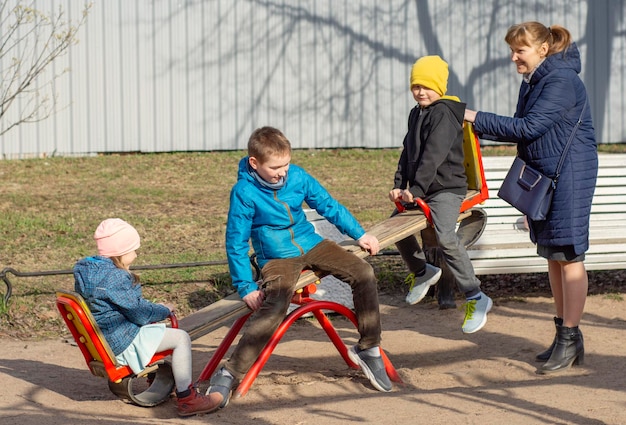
[
  {"x": 535, "y": 33},
  {"x": 265, "y": 142}
]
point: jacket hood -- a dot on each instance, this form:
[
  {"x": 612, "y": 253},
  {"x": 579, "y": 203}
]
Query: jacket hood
[
  {"x": 246, "y": 173},
  {"x": 457, "y": 107},
  {"x": 90, "y": 271},
  {"x": 243, "y": 173},
  {"x": 567, "y": 59}
]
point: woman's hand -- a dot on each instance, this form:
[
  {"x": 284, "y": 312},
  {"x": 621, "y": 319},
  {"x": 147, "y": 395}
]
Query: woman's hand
[{"x": 470, "y": 116}]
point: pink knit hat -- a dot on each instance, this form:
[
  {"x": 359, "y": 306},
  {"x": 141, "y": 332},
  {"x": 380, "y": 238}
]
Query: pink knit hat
[{"x": 115, "y": 237}]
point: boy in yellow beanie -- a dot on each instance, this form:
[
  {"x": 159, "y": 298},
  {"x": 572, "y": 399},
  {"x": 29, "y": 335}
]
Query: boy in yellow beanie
[{"x": 431, "y": 167}]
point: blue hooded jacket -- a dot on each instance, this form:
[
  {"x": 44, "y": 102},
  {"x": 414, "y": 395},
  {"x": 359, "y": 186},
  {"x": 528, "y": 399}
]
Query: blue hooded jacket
[
  {"x": 548, "y": 108},
  {"x": 115, "y": 301},
  {"x": 275, "y": 221}
]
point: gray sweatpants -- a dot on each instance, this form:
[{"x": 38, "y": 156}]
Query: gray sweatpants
[{"x": 444, "y": 208}]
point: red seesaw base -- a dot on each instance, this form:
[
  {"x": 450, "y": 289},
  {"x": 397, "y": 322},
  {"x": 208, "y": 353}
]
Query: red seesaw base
[{"x": 306, "y": 305}]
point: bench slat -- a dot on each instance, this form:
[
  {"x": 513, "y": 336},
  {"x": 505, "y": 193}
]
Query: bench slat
[
  {"x": 605, "y": 161},
  {"x": 528, "y": 250},
  {"x": 526, "y": 260},
  {"x": 513, "y": 220},
  {"x": 526, "y": 265},
  {"x": 502, "y": 209}
]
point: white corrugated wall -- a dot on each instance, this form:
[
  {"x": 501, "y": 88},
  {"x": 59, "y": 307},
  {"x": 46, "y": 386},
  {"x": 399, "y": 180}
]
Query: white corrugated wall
[{"x": 176, "y": 75}]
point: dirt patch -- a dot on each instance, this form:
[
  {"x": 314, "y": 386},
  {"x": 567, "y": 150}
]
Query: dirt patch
[{"x": 485, "y": 378}]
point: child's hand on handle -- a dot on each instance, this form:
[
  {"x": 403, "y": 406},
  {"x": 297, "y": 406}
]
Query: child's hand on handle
[
  {"x": 169, "y": 306},
  {"x": 172, "y": 309},
  {"x": 395, "y": 195},
  {"x": 254, "y": 300},
  {"x": 369, "y": 243},
  {"x": 407, "y": 196},
  {"x": 398, "y": 196}
]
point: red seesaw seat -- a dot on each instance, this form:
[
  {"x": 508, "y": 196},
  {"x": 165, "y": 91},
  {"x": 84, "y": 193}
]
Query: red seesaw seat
[{"x": 150, "y": 387}]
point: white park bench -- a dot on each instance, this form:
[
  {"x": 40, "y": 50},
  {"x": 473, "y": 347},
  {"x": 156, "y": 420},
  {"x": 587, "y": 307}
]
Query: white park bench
[{"x": 505, "y": 245}]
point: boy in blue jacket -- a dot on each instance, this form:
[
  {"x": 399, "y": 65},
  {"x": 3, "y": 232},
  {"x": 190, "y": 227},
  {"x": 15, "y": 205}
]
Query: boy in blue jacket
[
  {"x": 266, "y": 209},
  {"x": 431, "y": 167}
]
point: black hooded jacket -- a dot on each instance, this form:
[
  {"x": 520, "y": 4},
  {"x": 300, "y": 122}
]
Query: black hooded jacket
[{"x": 432, "y": 158}]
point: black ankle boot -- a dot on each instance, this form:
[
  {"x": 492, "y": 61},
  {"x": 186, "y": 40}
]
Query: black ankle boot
[
  {"x": 568, "y": 350},
  {"x": 545, "y": 355}
]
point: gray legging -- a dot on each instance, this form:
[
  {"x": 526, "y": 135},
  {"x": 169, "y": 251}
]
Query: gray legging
[{"x": 178, "y": 340}]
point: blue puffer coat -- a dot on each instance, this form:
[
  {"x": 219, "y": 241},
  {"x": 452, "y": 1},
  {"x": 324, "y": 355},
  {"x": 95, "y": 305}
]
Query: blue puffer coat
[
  {"x": 548, "y": 108},
  {"x": 275, "y": 222}
]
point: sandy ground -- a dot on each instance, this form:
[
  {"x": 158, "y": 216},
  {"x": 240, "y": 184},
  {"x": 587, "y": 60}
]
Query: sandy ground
[{"x": 449, "y": 378}]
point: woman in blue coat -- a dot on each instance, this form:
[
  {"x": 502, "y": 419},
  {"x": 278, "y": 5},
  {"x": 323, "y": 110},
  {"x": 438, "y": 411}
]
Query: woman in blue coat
[{"x": 551, "y": 100}]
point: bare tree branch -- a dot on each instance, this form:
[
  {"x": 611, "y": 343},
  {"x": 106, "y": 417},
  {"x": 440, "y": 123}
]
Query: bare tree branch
[{"x": 30, "y": 41}]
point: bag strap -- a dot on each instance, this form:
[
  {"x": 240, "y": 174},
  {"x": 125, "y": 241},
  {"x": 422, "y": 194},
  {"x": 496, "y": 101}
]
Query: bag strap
[{"x": 569, "y": 142}]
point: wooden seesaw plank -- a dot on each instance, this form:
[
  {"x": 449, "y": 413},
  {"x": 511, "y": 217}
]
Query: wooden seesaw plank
[{"x": 230, "y": 308}]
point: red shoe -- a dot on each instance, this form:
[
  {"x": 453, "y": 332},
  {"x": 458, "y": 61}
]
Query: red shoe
[{"x": 196, "y": 403}]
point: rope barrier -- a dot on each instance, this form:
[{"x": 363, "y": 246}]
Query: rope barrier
[{"x": 9, "y": 291}]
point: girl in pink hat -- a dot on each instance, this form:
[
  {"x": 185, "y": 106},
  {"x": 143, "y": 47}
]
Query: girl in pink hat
[{"x": 127, "y": 320}]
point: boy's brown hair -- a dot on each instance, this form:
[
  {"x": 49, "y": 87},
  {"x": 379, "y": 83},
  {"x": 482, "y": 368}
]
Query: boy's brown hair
[{"x": 265, "y": 142}]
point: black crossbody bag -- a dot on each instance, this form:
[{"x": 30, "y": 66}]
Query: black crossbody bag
[{"x": 530, "y": 191}]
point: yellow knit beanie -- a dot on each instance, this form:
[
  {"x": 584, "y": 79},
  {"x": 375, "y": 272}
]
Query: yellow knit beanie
[{"x": 430, "y": 72}]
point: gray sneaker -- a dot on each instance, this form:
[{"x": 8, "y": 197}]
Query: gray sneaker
[
  {"x": 222, "y": 383},
  {"x": 373, "y": 367},
  {"x": 419, "y": 285},
  {"x": 476, "y": 313}
]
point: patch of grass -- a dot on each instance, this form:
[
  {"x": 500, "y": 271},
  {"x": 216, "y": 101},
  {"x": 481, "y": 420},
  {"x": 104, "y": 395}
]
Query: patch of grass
[
  {"x": 612, "y": 148},
  {"x": 3, "y": 307}
]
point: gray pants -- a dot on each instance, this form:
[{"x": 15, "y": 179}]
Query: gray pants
[
  {"x": 444, "y": 208},
  {"x": 279, "y": 282}
]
